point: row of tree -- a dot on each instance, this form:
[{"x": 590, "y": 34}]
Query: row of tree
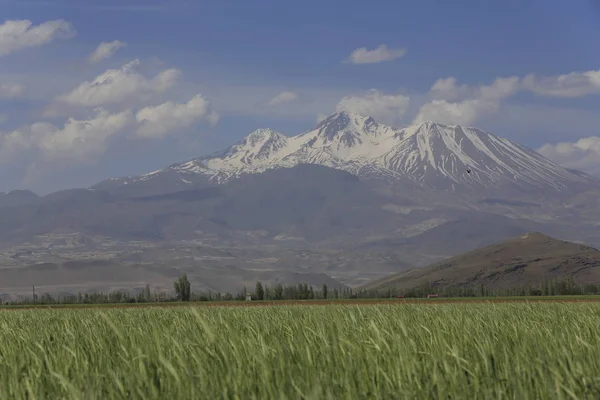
[
  {"x": 548, "y": 287},
  {"x": 303, "y": 291},
  {"x": 183, "y": 292}
]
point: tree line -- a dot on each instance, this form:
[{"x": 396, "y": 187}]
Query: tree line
[
  {"x": 183, "y": 292},
  {"x": 302, "y": 291},
  {"x": 548, "y": 287}
]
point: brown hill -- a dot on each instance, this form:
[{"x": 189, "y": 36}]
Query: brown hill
[{"x": 524, "y": 260}]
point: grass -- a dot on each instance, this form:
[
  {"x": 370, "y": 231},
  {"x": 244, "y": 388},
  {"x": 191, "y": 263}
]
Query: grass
[{"x": 450, "y": 351}]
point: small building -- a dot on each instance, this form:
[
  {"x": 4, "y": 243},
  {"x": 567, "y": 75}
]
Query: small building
[
  {"x": 429, "y": 296},
  {"x": 248, "y": 297}
]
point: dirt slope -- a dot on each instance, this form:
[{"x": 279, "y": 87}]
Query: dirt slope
[{"x": 523, "y": 260}]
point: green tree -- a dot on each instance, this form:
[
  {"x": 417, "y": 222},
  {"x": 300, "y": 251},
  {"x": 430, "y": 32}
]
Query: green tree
[
  {"x": 278, "y": 292},
  {"x": 545, "y": 288},
  {"x": 305, "y": 292},
  {"x": 183, "y": 288},
  {"x": 324, "y": 291},
  {"x": 259, "y": 292}
]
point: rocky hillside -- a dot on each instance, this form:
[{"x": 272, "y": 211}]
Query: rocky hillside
[{"x": 520, "y": 261}]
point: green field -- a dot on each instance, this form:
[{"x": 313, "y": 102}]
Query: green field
[
  {"x": 569, "y": 298},
  {"x": 456, "y": 351}
]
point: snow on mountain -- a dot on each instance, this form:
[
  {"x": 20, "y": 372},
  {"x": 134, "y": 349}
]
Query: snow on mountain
[
  {"x": 441, "y": 154},
  {"x": 428, "y": 154}
]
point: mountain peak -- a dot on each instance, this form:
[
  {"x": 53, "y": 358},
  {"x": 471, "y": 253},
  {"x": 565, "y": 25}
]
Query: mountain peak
[
  {"x": 438, "y": 127},
  {"x": 433, "y": 123},
  {"x": 535, "y": 236},
  {"x": 344, "y": 121},
  {"x": 262, "y": 135},
  {"x": 255, "y": 148},
  {"x": 429, "y": 125}
]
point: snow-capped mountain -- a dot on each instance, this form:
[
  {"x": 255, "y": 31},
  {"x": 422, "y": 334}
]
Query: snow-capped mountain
[{"x": 428, "y": 154}]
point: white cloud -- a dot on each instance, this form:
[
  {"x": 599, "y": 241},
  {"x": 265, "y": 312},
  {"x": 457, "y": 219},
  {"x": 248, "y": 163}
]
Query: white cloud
[
  {"x": 252, "y": 100},
  {"x": 105, "y": 50},
  {"x": 571, "y": 85},
  {"x": 11, "y": 90},
  {"x": 20, "y": 34},
  {"x": 583, "y": 155},
  {"x": 321, "y": 117},
  {"x": 465, "y": 112},
  {"x": 446, "y": 89},
  {"x": 377, "y": 55},
  {"x": 284, "y": 97},
  {"x": 500, "y": 89},
  {"x": 76, "y": 141},
  {"x": 161, "y": 120},
  {"x": 481, "y": 101},
  {"x": 115, "y": 86},
  {"x": 387, "y": 108}
]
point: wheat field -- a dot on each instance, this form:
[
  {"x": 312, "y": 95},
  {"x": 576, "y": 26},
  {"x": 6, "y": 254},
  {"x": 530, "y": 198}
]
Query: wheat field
[{"x": 408, "y": 351}]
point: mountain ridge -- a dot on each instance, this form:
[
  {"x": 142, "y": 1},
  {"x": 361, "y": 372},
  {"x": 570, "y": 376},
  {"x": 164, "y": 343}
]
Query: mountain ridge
[{"x": 426, "y": 155}]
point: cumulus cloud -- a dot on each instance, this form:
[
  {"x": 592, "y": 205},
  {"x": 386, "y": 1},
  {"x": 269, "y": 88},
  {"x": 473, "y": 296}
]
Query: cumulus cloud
[
  {"x": 583, "y": 155},
  {"x": 105, "y": 50},
  {"x": 446, "y": 89},
  {"x": 465, "y": 112},
  {"x": 76, "y": 141},
  {"x": 115, "y": 86},
  {"x": 480, "y": 101},
  {"x": 377, "y": 55},
  {"x": 20, "y": 34},
  {"x": 168, "y": 117},
  {"x": 283, "y": 97},
  {"x": 500, "y": 89},
  {"x": 84, "y": 140},
  {"x": 571, "y": 85},
  {"x": 11, "y": 90},
  {"x": 387, "y": 108}
]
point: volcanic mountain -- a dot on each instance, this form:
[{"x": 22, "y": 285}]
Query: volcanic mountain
[
  {"x": 523, "y": 260},
  {"x": 352, "y": 198},
  {"x": 426, "y": 155}
]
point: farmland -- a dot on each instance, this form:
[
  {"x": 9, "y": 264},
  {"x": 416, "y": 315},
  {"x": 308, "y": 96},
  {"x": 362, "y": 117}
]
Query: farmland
[
  {"x": 320, "y": 302},
  {"x": 432, "y": 349}
]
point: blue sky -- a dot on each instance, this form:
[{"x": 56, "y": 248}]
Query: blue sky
[{"x": 497, "y": 65}]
